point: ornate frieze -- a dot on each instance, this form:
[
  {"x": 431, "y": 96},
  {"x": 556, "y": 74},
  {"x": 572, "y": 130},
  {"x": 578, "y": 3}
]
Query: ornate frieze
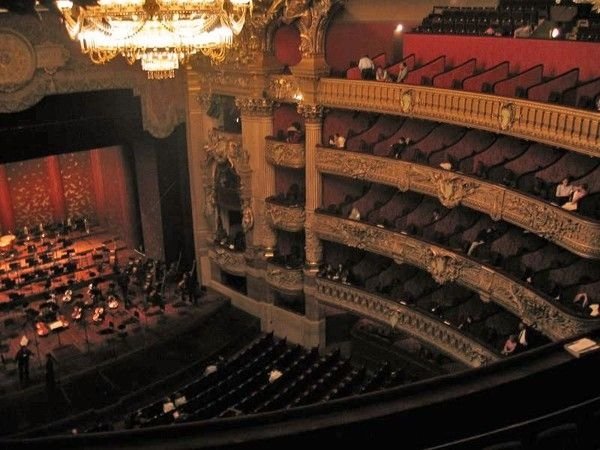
[
  {"x": 290, "y": 280},
  {"x": 568, "y": 230},
  {"x": 445, "y": 337},
  {"x": 254, "y": 106},
  {"x": 285, "y": 153},
  {"x": 228, "y": 260},
  {"x": 445, "y": 266},
  {"x": 288, "y": 218},
  {"x": 556, "y": 125}
]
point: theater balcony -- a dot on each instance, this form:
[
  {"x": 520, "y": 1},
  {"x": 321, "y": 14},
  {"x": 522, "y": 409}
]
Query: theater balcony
[
  {"x": 445, "y": 265},
  {"x": 572, "y": 232},
  {"x": 286, "y": 154},
  {"x": 284, "y": 277},
  {"x": 228, "y": 259},
  {"x": 570, "y": 128},
  {"x": 284, "y": 216},
  {"x": 417, "y": 323}
]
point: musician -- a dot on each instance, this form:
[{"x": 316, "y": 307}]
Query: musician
[{"x": 22, "y": 358}]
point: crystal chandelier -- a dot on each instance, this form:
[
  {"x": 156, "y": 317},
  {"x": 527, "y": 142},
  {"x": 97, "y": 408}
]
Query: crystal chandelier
[{"x": 160, "y": 33}]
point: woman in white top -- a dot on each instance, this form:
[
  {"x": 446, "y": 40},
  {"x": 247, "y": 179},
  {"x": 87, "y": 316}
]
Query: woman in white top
[{"x": 354, "y": 214}]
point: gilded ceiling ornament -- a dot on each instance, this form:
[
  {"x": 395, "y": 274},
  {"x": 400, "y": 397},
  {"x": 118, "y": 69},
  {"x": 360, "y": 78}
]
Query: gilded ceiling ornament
[
  {"x": 255, "y": 106},
  {"x": 311, "y": 113}
]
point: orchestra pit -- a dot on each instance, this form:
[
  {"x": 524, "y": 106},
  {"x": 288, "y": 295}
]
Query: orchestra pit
[{"x": 250, "y": 224}]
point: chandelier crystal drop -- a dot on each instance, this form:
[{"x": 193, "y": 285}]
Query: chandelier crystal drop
[{"x": 159, "y": 33}]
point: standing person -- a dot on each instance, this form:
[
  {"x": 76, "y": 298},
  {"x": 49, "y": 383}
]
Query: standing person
[
  {"x": 402, "y": 73},
  {"x": 50, "y": 380},
  {"x": 22, "y": 358}
]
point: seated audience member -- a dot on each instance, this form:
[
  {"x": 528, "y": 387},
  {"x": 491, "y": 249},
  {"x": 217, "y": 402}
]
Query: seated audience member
[
  {"x": 331, "y": 141},
  {"x": 510, "y": 345},
  {"x": 354, "y": 214},
  {"x": 179, "y": 400},
  {"x": 294, "y": 133},
  {"x": 489, "y": 31},
  {"x": 578, "y": 193},
  {"x": 168, "y": 405},
  {"x": 522, "y": 337},
  {"x": 340, "y": 141},
  {"x": 523, "y": 31},
  {"x": 594, "y": 310},
  {"x": 398, "y": 148},
  {"x": 381, "y": 74},
  {"x": 367, "y": 68},
  {"x": 274, "y": 375},
  {"x": 581, "y": 297},
  {"x": 211, "y": 368},
  {"x": 402, "y": 73},
  {"x": 564, "y": 190}
]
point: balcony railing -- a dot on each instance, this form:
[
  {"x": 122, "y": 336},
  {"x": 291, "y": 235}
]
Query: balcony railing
[
  {"x": 284, "y": 217},
  {"x": 230, "y": 261},
  {"x": 444, "y": 265},
  {"x": 555, "y": 125},
  {"x": 285, "y": 154},
  {"x": 407, "y": 319},
  {"x": 285, "y": 279},
  {"x": 573, "y": 232}
]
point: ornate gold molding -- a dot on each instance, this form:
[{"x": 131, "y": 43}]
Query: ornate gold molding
[
  {"x": 228, "y": 260},
  {"x": 289, "y": 280},
  {"x": 575, "y": 233},
  {"x": 255, "y": 106},
  {"x": 571, "y": 128},
  {"x": 226, "y": 148},
  {"x": 444, "y": 266},
  {"x": 284, "y": 153},
  {"x": 311, "y": 113},
  {"x": 444, "y": 337},
  {"x": 288, "y": 218},
  {"x": 312, "y": 24}
]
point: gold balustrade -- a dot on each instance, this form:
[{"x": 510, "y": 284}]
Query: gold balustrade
[
  {"x": 288, "y": 218},
  {"x": 445, "y": 266},
  {"x": 290, "y": 280},
  {"x": 570, "y": 128},
  {"x": 284, "y": 154},
  {"x": 404, "y": 318},
  {"x": 573, "y": 232}
]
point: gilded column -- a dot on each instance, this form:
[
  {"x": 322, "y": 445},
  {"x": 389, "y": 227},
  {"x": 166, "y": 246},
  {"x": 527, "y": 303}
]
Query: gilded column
[
  {"x": 313, "y": 124},
  {"x": 257, "y": 122},
  {"x": 199, "y": 124}
]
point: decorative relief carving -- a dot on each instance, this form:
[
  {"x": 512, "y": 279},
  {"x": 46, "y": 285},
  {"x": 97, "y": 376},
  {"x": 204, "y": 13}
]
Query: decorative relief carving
[
  {"x": 406, "y": 319},
  {"x": 254, "y": 106},
  {"x": 313, "y": 247},
  {"x": 285, "y": 279},
  {"x": 572, "y": 232},
  {"x": 312, "y": 25},
  {"x": 450, "y": 188},
  {"x": 446, "y": 266},
  {"x": 407, "y": 101},
  {"x": 546, "y": 220},
  {"x": 17, "y": 60},
  {"x": 507, "y": 116},
  {"x": 228, "y": 260},
  {"x": 289, "y": 218},
  {"x": 285, "y": 154},
  {"x": 284, "y": 88},
  {"x": 443, "y": 266},
  {"x": 204, "y": 100},
  {"x": 51, "y": 57},
  {"x": 222, "y": 149}
]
